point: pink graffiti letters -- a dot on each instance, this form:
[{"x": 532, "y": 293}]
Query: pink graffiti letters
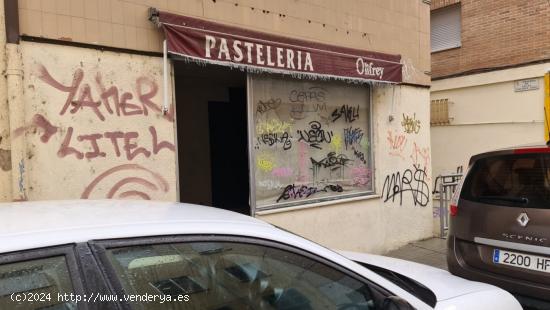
[
  {"x": 116, "y": 139},
  {"x": 80, "y": 96},
  {"x": 151, "y": 181},
  {"x": 38, "y": 121},
  {"x": 396, "y": 143}
]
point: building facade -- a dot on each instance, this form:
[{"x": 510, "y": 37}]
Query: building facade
[
  {"x": 312, "y": 115},
  {"x": 489, "y": 62}
]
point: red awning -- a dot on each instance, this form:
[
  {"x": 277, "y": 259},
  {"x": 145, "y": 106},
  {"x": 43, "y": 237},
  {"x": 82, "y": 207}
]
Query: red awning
[{"x": 203, "y": 41}]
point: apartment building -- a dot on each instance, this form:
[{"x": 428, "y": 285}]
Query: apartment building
[{"x": 312, "y": 114}]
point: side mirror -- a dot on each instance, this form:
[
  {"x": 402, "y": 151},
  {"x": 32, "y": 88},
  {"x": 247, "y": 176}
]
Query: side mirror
[{"x": 396, "y": 303}]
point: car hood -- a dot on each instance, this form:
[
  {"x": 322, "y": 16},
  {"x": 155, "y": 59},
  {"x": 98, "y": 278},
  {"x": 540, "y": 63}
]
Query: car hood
[{"x": 442, "y": 283}]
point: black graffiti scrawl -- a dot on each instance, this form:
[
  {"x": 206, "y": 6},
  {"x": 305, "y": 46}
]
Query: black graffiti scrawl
[
  {"x": 315, "y": 135},
  {"x": 412, "y": 181}
]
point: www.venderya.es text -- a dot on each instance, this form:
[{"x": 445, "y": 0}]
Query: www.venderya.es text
[{"x": 94, "y": 297}]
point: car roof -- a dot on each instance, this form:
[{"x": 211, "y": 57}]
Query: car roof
[
  {"x": 70, "y": 221},
  {"x": 32, "y": 225},
  {"x": 525, "y": 148}
]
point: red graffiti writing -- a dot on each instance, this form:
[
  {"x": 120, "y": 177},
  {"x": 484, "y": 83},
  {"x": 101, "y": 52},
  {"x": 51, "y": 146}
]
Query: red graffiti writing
[
  {"x": 420, "y": 156},
  {"x": 151, "y": 181},
  {"x": 397, "y": 143},
  {"x": 114, "y": 102},
  {"x": 38, "y": 121},
  {"x": 115, "y": 139}
]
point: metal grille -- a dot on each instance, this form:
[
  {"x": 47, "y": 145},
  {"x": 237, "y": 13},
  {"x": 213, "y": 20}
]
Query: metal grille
[{"x": 447, "y": 186}]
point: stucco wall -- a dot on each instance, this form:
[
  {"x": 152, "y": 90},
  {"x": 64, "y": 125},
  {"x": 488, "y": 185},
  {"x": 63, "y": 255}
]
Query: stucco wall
[
  {"x": 93, "y": 127},
  {"x": 486, "y": 114},
  {"x": 401, "y": 211},
  {"x": 390, "y": 26}
]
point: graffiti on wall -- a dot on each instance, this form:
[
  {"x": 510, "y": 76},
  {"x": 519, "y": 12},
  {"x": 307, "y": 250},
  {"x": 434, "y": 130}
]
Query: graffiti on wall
[
  {"x": 151, "y": 181},
  {"x": 414, "y": 181},
  {"x": 102, "y": 103},
  {"x": 411, "y": 181},
  {"x": 396, "y": 143},
  {"x": 317, "y": 137},
  {"x": 410, "y": 124},
  {"x": 81, "y": 97}
]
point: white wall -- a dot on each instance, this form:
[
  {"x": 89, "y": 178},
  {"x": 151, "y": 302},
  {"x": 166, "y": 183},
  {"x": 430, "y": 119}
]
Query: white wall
[{"x": 486, "y": 114}]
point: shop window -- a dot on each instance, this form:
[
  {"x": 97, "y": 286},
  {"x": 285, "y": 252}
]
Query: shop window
[
  {"x": 310, "y": 141},
  {"x": 445, "y": 28},
  {"x": 439, "y": 112}
]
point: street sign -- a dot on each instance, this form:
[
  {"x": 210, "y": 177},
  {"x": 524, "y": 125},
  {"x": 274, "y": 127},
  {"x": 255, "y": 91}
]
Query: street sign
[{"x": 523, "y": 85}]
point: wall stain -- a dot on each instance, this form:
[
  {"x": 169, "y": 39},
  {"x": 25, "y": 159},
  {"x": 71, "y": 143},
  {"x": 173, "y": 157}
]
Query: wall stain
[{"x": 5, "y": 159}]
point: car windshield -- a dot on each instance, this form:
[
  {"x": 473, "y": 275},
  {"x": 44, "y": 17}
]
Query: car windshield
[{"x": 516, "y": 180}]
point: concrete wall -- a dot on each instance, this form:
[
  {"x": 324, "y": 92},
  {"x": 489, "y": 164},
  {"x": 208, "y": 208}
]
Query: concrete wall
[
  {"x": 486, "y": 114},
  {"x": 92, "y": 126},
  {"x": 363, "y": 24},
  {"x": 402, "y": 157}
]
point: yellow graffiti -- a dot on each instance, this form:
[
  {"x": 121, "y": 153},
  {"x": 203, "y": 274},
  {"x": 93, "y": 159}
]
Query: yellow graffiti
[
  {"x": 265, "y": 164},
  {"x": 336, "y": 142},
  {"x": 273, "y": 126}
]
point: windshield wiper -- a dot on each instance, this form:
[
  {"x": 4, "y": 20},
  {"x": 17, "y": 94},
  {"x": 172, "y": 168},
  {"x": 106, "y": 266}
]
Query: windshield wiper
[{"x": 520, "y": 200}]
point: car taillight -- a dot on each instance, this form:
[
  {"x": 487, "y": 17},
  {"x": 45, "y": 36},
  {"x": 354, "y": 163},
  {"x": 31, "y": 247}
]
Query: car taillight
[{"x": 453, "y": 209}]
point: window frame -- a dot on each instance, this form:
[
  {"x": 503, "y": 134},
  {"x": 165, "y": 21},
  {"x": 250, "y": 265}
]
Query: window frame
[
  {"x": 67, "y": 251},
  {"x": 458, "y": 7},
  {"x": 100, "y": 247},
  {"x": 305, "y": 202}
]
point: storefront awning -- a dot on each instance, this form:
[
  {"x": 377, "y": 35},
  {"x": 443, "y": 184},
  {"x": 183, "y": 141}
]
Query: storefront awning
[{"x": 208, "y": 42}]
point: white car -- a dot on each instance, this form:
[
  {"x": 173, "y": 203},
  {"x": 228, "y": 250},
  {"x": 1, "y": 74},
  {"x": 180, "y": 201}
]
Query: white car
[{"x": 110, "y": 254}]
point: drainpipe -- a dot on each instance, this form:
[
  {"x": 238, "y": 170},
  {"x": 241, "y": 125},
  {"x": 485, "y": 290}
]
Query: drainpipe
[
  {"x": 14, "y": 73},
  {"x": 14, "y": 96},
  {"x": 164, "y": 78},
  {"x": 5, "y": 147}
]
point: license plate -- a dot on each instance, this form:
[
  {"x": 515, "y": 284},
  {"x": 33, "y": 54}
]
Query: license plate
[{"x": 526, "y": 261}]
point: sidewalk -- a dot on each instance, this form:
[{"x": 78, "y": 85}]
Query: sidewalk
[{"x": 430, "y": 252}]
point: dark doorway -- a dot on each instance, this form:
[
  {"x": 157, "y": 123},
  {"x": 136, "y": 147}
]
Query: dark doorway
[
  {"x": 229, "y": 152},
  {"x": 212, "y": 136}
]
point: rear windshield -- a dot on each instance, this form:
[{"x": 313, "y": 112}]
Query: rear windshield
[{"x": 510, "y": 180}]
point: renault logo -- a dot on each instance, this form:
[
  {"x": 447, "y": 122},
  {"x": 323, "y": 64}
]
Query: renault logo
[{"x": 523, "y": 219}]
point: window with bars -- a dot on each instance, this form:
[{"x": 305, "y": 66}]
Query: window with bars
[{"x": 439, "y": 112}]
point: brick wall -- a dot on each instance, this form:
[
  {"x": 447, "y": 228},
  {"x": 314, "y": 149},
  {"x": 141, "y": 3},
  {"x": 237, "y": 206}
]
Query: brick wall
[{"x": 496, "y": 33}]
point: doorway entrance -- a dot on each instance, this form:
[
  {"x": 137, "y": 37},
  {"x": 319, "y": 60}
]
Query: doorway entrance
[{"x": 212, "y": 136}]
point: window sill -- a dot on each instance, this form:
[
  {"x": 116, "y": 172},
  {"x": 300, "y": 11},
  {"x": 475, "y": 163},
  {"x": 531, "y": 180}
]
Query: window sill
[
  {"x": 317, "y": 204},
  {"x": 446, "y": 49}
]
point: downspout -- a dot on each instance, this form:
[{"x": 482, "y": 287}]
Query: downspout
[
  {"x": 15, "y": 104},
  {"x": 5, "y": 148},
  {"x": 154, "y": 18},
  {"x": 164, "y": 78},
  {"x": 14, "y": 74}
]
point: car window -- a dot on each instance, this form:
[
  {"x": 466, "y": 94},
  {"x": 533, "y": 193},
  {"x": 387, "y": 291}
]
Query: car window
[
  {"x": 35, "y": 284},
  {"x": 227, "y": 275},
  {"x": 518, "y": 180}
]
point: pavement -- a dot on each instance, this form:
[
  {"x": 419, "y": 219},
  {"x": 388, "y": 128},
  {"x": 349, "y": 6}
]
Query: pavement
[{"x": 431, "y": 252}]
